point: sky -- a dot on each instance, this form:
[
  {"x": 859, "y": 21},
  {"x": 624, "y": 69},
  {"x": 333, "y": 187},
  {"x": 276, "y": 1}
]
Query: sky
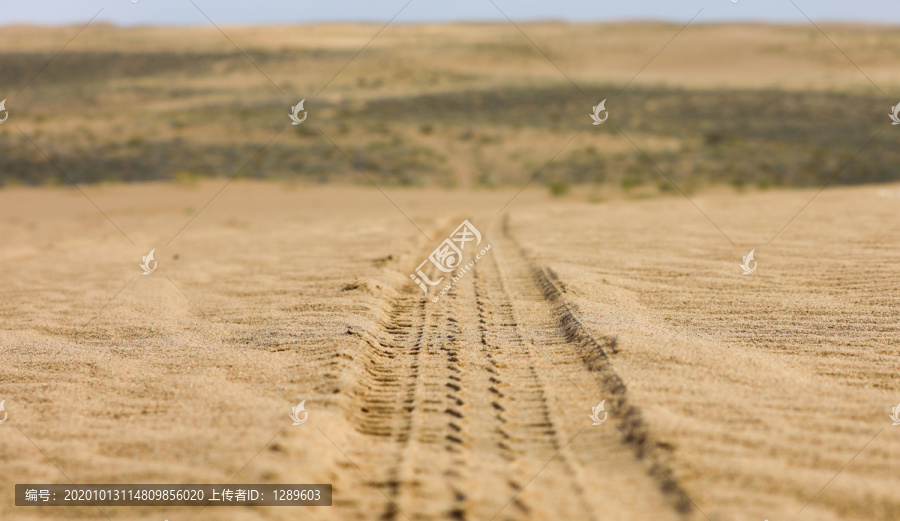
[{"x": 246, "y": 12}]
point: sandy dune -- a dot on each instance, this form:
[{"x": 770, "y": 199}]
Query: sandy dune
[
  {"x": 726, "y": 397},
  {"x": 729, "y": 396}
]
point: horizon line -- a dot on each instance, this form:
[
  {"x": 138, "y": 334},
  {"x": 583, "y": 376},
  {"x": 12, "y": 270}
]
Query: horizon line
[{"x": 120, "y": 25}]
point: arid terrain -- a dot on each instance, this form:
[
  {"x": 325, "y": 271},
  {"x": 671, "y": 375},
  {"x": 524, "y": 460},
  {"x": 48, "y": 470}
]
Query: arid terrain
[
  {"x": 613, "y": 274},
  {"x": 748, "y": 392},
  {"x": 467, "y": 105}
]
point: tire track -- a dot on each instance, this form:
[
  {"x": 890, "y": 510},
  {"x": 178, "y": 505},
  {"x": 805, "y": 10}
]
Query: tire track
[
  {"x": 406, "y": 395},
  {"x": 522, "y": 409},
  {"x": 593, "y": 354},
  {"x": 477, "y": 405}
]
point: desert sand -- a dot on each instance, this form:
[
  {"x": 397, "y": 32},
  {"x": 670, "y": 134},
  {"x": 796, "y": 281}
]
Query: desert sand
[
  {"x": 738, "y": 396},
  {"x": 726, "y": 396}
]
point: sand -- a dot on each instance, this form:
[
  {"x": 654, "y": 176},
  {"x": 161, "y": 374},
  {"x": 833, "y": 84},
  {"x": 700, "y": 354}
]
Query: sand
[
  {"x": 725, "y": 396},
  {"x": 728, "y": 396}
]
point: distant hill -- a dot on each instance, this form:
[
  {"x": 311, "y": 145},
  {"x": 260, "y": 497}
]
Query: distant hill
[{"x": 452, "y": 105}]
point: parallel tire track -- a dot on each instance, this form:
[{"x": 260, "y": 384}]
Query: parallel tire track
[{"x": 476, "y": 406}]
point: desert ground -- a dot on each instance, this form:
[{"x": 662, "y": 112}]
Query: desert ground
[{"x": 613, "y": 274}]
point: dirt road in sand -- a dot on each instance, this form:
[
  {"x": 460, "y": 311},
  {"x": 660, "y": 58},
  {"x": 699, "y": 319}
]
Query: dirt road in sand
[{"x": 729, "y": 396}]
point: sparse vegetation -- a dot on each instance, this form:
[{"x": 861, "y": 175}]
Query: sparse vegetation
[
  {"x": 558, "y": 187},
  {"x": 151, "y": 114}
]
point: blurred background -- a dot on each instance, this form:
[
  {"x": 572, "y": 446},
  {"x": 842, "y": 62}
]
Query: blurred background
[
  {"x": 747, "y": 95},
  {"x": 182, "y": 12}
]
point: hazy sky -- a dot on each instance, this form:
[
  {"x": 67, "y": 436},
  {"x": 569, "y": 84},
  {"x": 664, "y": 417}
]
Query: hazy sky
[{"x": 182, "y": 12}]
